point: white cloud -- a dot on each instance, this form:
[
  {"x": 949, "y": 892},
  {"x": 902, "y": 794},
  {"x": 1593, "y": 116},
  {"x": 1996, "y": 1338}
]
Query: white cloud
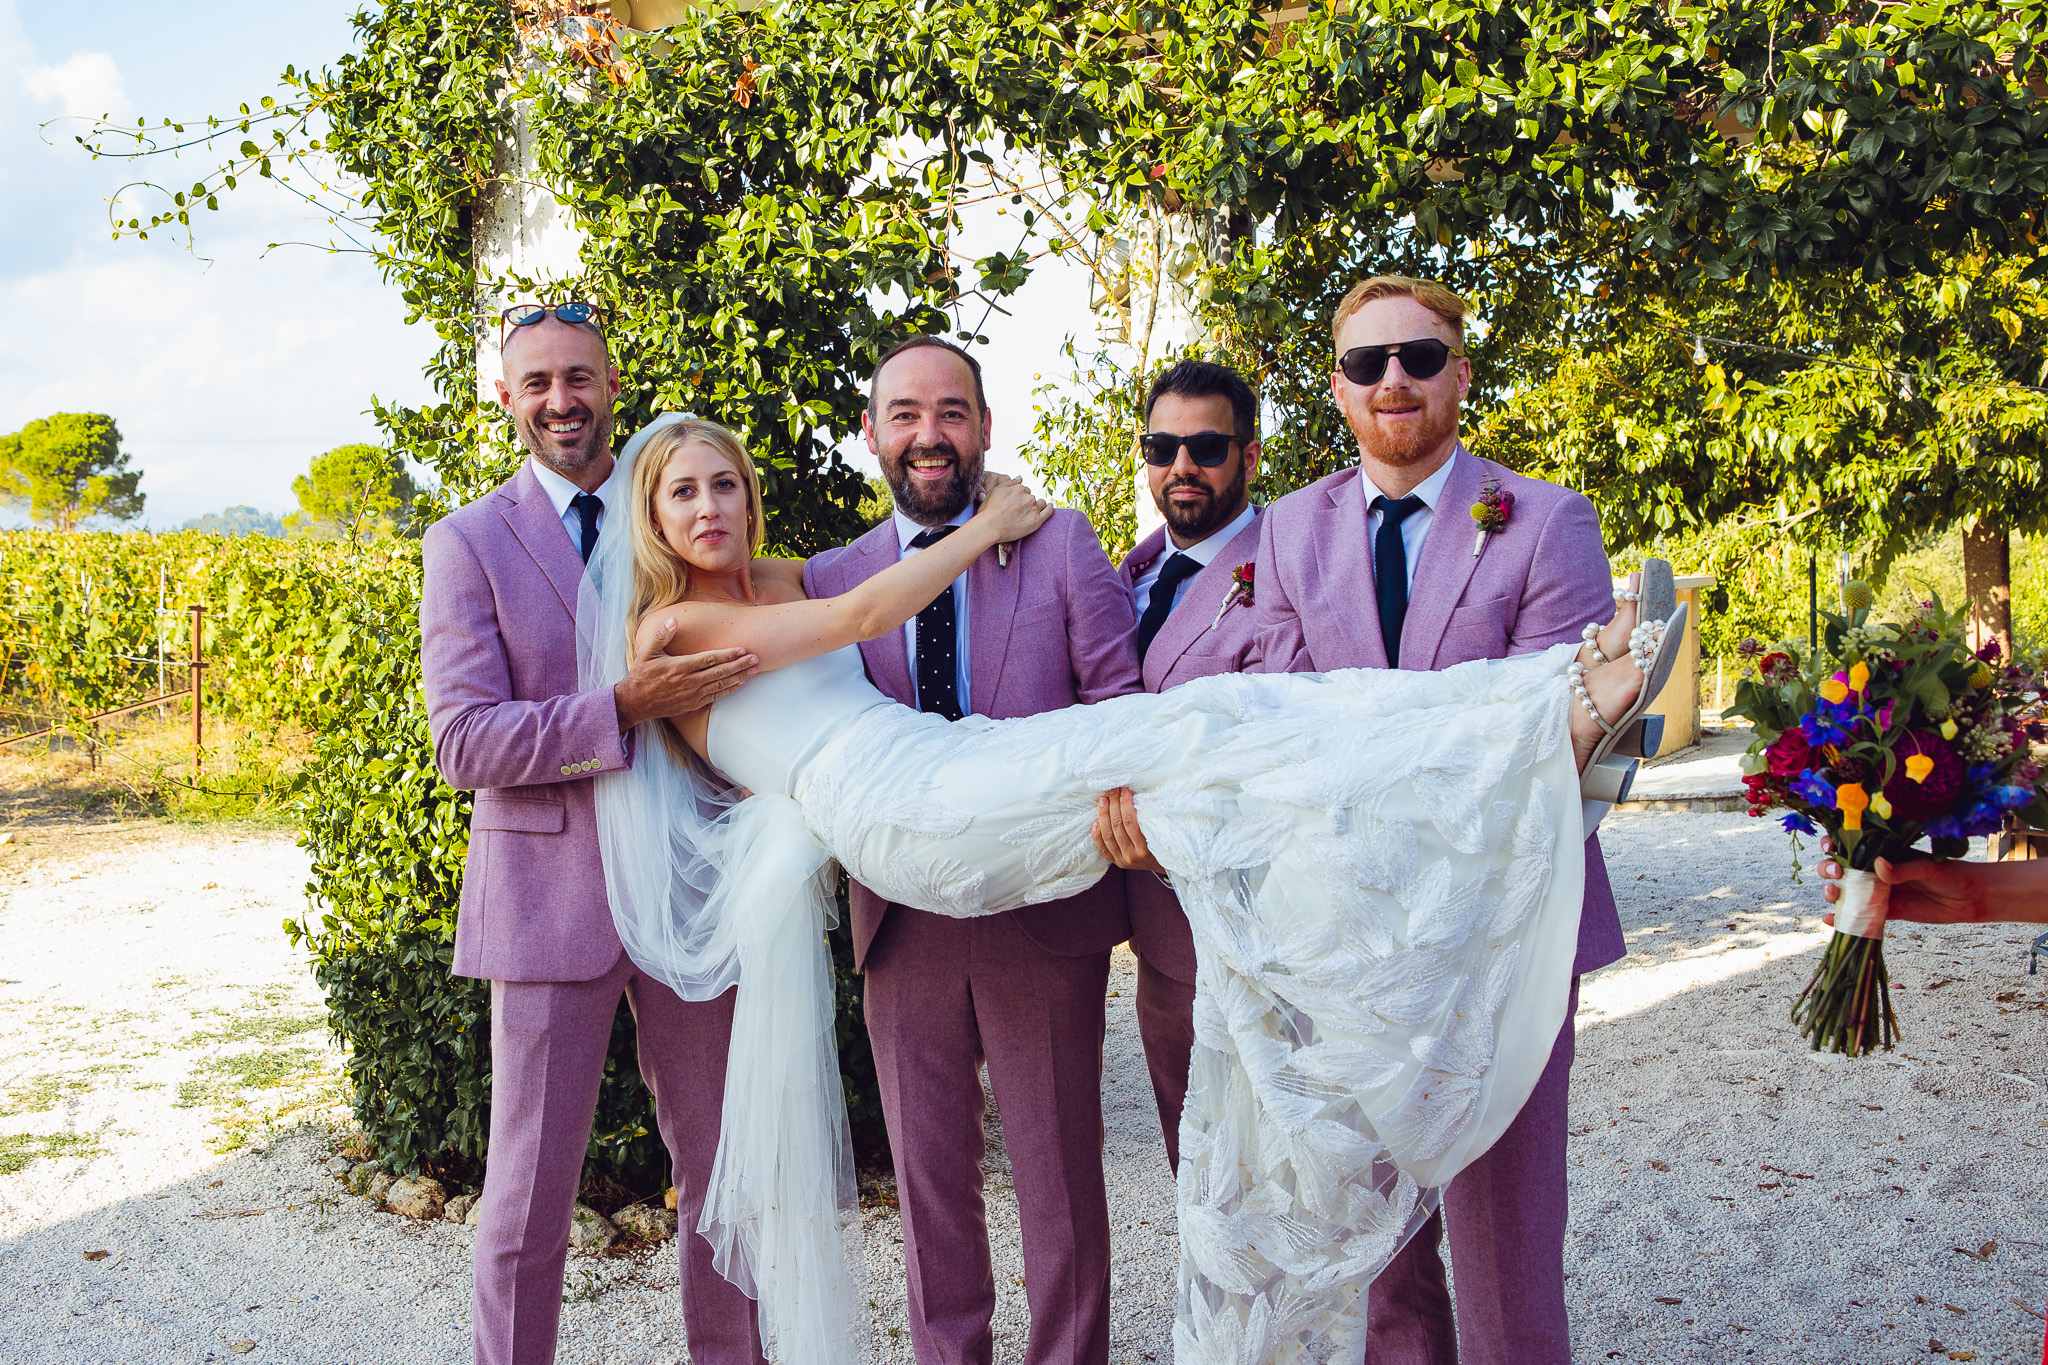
[
  {"x": 226, "y": 381},
  {"x": 87, "y": 86}
]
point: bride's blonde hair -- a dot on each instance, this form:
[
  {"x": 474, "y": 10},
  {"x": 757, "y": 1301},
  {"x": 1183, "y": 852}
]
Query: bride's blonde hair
[{"x": 661, "y": 576}]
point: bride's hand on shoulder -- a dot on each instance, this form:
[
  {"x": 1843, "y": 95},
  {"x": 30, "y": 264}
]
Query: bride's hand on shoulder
[{"x": 1012, "y": 510}]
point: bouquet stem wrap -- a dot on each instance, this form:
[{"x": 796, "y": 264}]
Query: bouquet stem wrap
[
  {"x": 1860, "y": 911},
  {"x": 1847, "y": 1004}
]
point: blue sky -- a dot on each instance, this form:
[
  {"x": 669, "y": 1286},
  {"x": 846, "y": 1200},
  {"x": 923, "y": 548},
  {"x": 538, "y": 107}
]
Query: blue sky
[{"x": 229, "y": 367}]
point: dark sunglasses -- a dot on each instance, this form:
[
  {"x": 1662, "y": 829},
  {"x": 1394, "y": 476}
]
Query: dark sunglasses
[
  {"x": 1207, "y": 449},
  {"x": 577, "y": 314},
  {"x": 1424, "y": 359}
]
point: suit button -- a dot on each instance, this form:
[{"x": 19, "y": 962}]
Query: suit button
[{"x": 565, "y": 772}]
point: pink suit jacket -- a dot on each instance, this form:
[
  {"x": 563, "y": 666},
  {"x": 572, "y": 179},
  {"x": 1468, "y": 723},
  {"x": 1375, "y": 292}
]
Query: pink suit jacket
[
  {"x": 1537, "y": 583},
  {"x": 1051, "y": 630},
  {"x": 1193, "y": 643},
  {"x": 498, "y": 651}
]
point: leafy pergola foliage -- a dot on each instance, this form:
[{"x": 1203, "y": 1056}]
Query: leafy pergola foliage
[
  {"x": 1813, "y": 409},
  {"x": 770, "y": 198}
]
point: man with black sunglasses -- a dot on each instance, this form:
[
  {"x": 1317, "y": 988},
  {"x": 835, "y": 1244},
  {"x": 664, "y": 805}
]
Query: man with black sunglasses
[
  {"x": 1194, "y": 613},
  {"x": 1390, "y": 565}
]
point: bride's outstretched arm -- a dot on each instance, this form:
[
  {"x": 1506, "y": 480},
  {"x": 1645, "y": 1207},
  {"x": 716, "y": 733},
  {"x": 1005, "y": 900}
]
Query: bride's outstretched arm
[{"x": 785, "y": 633}]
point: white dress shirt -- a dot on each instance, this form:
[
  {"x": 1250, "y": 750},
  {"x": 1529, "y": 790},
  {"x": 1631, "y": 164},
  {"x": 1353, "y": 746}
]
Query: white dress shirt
[
  {"x": 1203, "y": 552},
  {"x": 1415, "y": 528},
  {"x": 561, "y": 492},
  {"x": 907, "y": 531}
]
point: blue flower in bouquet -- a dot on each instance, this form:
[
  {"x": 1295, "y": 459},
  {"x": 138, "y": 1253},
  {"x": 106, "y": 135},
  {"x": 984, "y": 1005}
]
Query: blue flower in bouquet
[
  {"x": 1795, "y": 823},
  {"x": 1986, "y": 808},
  {"x": 1828, "y": 722},
  {"x": 1810, "y": 786}
]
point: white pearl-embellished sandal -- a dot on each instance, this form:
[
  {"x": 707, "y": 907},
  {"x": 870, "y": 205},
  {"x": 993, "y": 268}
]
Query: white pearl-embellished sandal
[{"x": 1611, "y": 770}]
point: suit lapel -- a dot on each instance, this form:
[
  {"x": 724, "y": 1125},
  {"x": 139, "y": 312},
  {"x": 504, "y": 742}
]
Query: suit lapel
[
  {"x": 991, "y": 607},
  {"x": 1446, "y": 565},
  {"x": 1340, "y": 615},
  {"x": 888, "y": 665},
  {"x": 536, "y": 525},
  {"x": 1142, "y": 556},
  {"x": 1197, "y": 613}
]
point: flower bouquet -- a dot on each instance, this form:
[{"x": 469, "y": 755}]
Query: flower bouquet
[{"x": 1888, "y": 734}]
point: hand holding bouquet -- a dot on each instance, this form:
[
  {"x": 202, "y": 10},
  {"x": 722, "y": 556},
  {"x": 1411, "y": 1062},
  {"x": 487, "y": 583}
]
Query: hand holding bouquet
[{"x": 1888, "y": 734}]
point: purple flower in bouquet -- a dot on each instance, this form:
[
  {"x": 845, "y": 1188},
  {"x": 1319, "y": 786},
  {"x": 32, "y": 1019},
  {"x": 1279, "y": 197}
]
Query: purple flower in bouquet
[
  {"x": 1990, "y": 651},
  {"x": 1795, "y": 823},
  {"x": 1936, "y": 794},
  {"x": 1814, "y": 789}
]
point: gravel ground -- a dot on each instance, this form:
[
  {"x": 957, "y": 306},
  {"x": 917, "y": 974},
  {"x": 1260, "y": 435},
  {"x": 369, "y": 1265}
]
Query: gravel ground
[{"x": 166, "y": 1096}]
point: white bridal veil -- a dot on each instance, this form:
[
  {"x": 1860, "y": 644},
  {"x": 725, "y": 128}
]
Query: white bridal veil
[{"x": 710, "y": 892}]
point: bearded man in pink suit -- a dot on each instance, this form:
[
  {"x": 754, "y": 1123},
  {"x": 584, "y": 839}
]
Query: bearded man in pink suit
[
  {"x": 498, "y": 649},
  {"x": 1194, "y": 619},
  {"x": 1041, "y": 628},
  {"x": 1375, "y": 567}
]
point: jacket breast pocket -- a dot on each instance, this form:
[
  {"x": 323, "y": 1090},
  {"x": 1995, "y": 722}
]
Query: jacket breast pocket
[
  {"x": 524, "y": 815},
  {"x": 1477, "y": 630}
]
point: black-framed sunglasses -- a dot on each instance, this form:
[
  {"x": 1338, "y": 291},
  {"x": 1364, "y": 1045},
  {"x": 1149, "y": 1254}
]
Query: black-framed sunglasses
[
  {"x": 576, "y": 313},
  {"x": 1421, "y": 359},
  {"x": 1206, "y": 448}
]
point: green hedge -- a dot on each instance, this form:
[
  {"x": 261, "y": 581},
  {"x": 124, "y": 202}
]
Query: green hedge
[{"x": 388, "y": 838}]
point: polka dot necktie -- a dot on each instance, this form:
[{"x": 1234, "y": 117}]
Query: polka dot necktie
[{"x": 938, "y": 643}]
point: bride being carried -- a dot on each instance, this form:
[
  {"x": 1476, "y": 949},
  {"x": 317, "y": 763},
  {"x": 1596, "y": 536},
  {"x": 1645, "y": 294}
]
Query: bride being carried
[{"x": 1383, "y": 871}]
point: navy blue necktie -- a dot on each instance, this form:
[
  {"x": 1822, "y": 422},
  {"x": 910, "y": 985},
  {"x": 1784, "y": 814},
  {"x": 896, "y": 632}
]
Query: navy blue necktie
[
  {"x": 1390, "y": 570},
  {"x": 587, "y": 506},
  {"x": 1172, "y": 574},
  {"x": 938, "y": 643}
]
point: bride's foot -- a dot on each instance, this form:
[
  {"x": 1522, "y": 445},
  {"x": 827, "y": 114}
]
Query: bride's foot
[
  {"x": 1609, "y": 678},
  {"x": 1613, "y": 688},
  {"x": 1610, "y": 641}
]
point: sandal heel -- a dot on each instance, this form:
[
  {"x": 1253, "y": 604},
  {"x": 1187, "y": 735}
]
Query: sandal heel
[
  {"x": 1642, "y": 739},
  {"x": 1608, "y": 780}
]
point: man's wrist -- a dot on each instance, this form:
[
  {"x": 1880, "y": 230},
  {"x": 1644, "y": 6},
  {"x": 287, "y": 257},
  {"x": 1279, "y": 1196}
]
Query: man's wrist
[{"x": 627, "y": 712}]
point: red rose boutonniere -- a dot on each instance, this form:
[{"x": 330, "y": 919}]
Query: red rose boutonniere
[
  {"x": 1490, "y": 513},
  {"x": 1240, "y": 591}
]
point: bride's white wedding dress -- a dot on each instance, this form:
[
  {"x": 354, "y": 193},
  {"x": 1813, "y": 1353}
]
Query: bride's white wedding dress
[{"x": 1383, "y": 871}]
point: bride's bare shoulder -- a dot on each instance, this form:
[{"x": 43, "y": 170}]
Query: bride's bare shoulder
[{"x": 783, "y": 577}]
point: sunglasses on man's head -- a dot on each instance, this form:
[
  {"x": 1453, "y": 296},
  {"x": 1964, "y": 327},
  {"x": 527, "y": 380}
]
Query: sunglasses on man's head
[
  {"x": 576, "y": 314},
  {"x": 1207, "y": 449},
  {"x": 1424, "y": 359}
]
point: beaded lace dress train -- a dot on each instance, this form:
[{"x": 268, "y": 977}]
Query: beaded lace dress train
[{"x": 1383, "y": 871}]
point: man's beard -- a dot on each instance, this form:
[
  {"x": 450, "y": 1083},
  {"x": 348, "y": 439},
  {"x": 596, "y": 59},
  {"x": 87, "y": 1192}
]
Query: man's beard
[
  {"x": 570, "y": 459},
  {"x": 933, "y": 504},
  {"x": 1438, "y": 425},
  {"x": 1198, "y": 521}
]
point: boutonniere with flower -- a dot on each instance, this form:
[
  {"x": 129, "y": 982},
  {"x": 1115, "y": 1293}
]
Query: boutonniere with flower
[
  {"x": 1240, "y": 591},
  {"x": 1490, "y": 513}
]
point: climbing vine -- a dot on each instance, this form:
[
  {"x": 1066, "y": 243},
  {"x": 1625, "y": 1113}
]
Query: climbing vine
[{"x": 767, "y": 197}]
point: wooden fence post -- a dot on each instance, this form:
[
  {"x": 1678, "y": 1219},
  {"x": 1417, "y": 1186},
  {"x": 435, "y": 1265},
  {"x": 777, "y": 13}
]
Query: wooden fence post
[{"x": 198, "y": 690}]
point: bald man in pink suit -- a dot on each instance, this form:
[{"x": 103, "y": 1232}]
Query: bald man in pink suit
[
  {"x": 1025, "y": 991},
  {"x": 1384, "y": 553},
  {"x": 498, "y": 649},
  {"x": 1180, "y": 577}
]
